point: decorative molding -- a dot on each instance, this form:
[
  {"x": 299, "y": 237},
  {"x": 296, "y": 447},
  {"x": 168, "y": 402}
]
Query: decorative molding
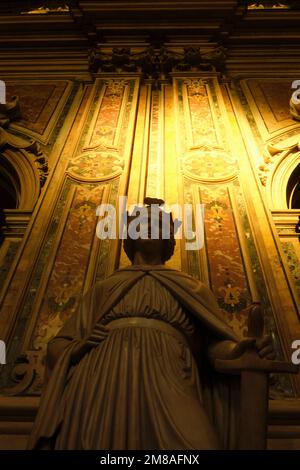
[
  {"x": 100, "y": 163},
  {"x": 9, "y": 112},
  {"x": 62, "y": 33},
  {"x": 270, "y": 5},
  {"x": 272, "y": 157},
  {"x": 15, "y": 222},
  {"x": 44, "y": 10},
  {"x": 269, "y": 154},
  {"x": 209, "y": 164},
  {"x": 285, "y": 222},
  {"x": 22, "y": 375},
  {"x": 156, "y": 63}
]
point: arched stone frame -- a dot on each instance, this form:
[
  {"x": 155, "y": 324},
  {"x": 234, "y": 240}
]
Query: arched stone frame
[
  {"x": 293, "y": 189},
  {"x": 26, "y": 178},
  {"x": 280, "y": 161},
  {"x": 27, "y": 171}
]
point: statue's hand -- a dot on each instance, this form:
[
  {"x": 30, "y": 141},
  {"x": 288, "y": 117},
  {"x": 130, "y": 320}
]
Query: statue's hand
[
  {"x": 98, "y": 334},
  {"x": 237, "y": 349},
  {"x": 263, "y": 346}
]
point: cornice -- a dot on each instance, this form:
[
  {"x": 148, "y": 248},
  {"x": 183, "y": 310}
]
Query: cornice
[{"x": 257, "y": 40}]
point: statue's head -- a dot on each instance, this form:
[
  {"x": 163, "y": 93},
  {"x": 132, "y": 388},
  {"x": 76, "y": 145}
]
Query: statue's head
[{"x": 156, "y": 228}]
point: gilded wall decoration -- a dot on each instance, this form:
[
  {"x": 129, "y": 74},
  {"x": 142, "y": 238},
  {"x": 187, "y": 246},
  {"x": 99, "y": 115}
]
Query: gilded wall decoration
[
  {"x": 70, "y": 251},
  {"x": 71, "y": 257},
  {"x": 41, "y": 102},
  {"x": 157, "y": 63},
  {"x": 267, "y": 106},
  {"x": 106, "y": 127},
  {"x": 209, "y": 163},
  {"x": 70, "y": 264},
  {"x": 96, "y": 164},
  {"x": 263, "y": 4},
  {"x": 199, "y": 113},
  {"x": 155, "y": 160},
  {"x": 44, "y": 10},
  {"x": 100, "y": 152},
  {"x": 210, "y": 166},
  {"x": 273, "y": 147},
  {"x": 228, "y": 260},
  {"x": 227, "y": 274},
  {"x": 23, "y": 149}
]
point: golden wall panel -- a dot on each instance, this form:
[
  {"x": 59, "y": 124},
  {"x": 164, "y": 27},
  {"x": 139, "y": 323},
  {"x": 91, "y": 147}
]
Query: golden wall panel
[
  {"x": 184, "y": 142},
  {"x": 41, "y": 103},
  {"x": 69, "y": 258},
  {"x": 268, "y": 99}
]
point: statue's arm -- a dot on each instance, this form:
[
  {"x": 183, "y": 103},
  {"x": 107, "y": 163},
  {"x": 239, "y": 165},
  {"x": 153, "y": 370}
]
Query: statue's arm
[
  {"x": 222, "y": 349},
  {"x": 80, "y": 347},
  {"x": 79, "y": 333},
  {"x": 204, "y": 342},
  {"x": 233, "y": 349}
]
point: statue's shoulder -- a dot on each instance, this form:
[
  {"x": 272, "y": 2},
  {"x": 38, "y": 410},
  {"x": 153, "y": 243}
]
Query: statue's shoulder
[
  {"x": 175, "y": 273},
  {"x": 117, "y": 278},
  {"x": 174, "y": 279},
  {"x": 126, "y": 274}
]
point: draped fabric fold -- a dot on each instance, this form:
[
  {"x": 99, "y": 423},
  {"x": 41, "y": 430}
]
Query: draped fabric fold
[{"x": 140, "y": 387}]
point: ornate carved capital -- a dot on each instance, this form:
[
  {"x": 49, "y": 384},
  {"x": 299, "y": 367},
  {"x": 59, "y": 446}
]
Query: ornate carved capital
[
  {"x": 8, "y": 113},
  {"x": 272, "y": 154},
  {"x": 156, "y": 63}
]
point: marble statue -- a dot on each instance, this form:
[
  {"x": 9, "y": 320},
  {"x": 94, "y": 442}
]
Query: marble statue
[{"x": 133, "y": 368}]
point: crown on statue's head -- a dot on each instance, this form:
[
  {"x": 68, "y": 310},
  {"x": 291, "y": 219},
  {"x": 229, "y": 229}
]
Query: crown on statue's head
[{"x": 152, "y": 201}]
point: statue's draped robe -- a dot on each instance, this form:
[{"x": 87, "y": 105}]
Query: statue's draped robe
[{"x": 141, "y": 387}]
